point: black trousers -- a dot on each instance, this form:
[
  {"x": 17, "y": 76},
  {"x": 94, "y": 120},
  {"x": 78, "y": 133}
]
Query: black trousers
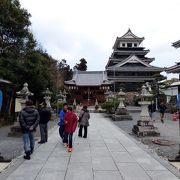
[
  {"x": 68, "y": 137},
  {"x": 44, "y": 132},
  {"x": 61, "y": 131},
  {"x": 80, "y": 131}
]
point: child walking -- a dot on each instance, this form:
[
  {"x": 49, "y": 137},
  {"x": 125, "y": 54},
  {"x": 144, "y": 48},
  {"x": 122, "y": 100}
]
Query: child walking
[{"x": 71, "y": 121}]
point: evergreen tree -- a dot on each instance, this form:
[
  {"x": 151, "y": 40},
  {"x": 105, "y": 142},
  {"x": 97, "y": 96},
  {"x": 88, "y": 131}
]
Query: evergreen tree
[
  {"x": 20, "y": 58},
  {"x": 82, "y": 66}
]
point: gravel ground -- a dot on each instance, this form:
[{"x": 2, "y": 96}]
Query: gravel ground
[
  {"x": 12, "y": 147},
  {"x": 169, "y": 131}
]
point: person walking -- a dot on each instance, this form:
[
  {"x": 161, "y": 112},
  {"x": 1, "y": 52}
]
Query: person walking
[
  {"x": 84, "y": 117},
  {"x": 162, "y": 109},
  {"x": 152, "y": 109},
  {"x": 29, "y": 120},
  {"x": 61, "y": 123},
  {"x": 45, "y": 116},
  {"x": 71, "y": 121}
]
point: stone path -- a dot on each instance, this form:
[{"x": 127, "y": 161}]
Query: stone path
[{"x": 107, "y": 154}]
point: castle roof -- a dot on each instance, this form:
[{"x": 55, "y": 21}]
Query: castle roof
[{"x": 128, "y": 37}]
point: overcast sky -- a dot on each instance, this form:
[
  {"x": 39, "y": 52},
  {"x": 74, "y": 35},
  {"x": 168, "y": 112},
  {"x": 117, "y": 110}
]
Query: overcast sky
[{"x": 75, "y": 29}]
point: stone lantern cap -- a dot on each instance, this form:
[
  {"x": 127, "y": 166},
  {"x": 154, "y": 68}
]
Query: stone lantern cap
[
  {"x": 64, "y": 92},
  {"x": 145, "y": 92},
  {"x": 121, "y": 93},
  {"x": 25, "y": 93},
  {"x": 47, "y": 92}
]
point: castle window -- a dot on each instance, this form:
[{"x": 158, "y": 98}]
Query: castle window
[
  {"x": 129, "y": 44},
  {"x": 135, "y": 45},
  {"x": 123, "y": 45}
]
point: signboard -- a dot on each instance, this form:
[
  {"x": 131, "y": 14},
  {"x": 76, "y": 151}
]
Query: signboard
[{"x": 18, "y": 106}]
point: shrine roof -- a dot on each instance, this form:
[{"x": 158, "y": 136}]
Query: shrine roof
[
  {"x": 89, "y": 78},
  {"x": 174, "y": 69},
  {"x": 176, "y": 44},
  {"x": 5, "y": 81}
]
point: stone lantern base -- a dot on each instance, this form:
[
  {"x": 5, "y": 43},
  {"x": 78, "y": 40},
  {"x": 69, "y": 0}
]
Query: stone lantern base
[
  {"x": 121, "y": 114},
  {"x": 15, "y": 131},
  {"x": 145, "y": 128}
]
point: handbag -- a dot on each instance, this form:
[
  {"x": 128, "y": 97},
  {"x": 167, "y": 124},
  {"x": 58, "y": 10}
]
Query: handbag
[{"x": 80, "y": 118}]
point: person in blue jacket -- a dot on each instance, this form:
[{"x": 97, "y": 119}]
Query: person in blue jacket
[{"x": 62, "y": 123}]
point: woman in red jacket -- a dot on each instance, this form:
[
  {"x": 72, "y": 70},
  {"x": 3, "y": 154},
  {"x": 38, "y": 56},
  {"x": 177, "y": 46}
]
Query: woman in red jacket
[{"x": 71, "y": 121}]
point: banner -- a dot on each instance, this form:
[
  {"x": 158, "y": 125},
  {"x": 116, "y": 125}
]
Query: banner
[
  {"x": 179, "y": 102},
  {"x": 1, "y": 99}
]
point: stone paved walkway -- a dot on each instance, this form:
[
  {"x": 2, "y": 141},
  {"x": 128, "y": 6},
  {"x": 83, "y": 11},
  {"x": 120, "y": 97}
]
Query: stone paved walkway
[{"x": 107, "y": 154}]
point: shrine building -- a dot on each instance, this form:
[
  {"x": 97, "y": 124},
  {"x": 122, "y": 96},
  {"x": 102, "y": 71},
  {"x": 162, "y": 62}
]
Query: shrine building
[{"x": 87, "y": 87}]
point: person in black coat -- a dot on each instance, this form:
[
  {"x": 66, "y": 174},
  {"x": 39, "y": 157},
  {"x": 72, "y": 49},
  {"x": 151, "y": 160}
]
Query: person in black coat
[
  {"x": 162, "y": 109},
  {"x": 45, "y": 116},
  {"x": 29, "y": 120}
]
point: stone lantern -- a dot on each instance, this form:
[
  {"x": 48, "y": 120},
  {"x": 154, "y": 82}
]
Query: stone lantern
[
  {"x": 121, "y": 112},
  {"x": 24, "y": 94},
  {"x": 74, "y": 103},
  {"x": 145, "y": 126},
  {"x": 145, "y": 102},
  {"x": 109, "y": 96},
  {"x": 64, "y": 95},
  {"x": 96, "y": 103},
  {"x": 23, "y": 97},
  {"x": 60, "y": 97},
  {"x": 121, "y": 97},
  {"x": 47, "y": 97}
]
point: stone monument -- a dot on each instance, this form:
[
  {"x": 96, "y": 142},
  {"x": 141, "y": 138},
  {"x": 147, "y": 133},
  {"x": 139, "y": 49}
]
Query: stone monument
[
  {"x": 121, "y": 112},
  {"x": 145, "y": 126}
]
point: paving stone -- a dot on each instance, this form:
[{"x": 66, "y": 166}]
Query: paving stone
[
  {"x": 145, "y": 160},
  {"x": 120, "y": 157},
  {"x": 115, "y": 147},
  {"x": 39, "y": 157},
  {"x": 60, "y": 153},
  {"x": 111, "y": 140},
  {"x": 84, "y": 156},
  {"x": 132, "y": 171},
  {"x": 162, "y": 175},
  {"x": 81, "y": 140},
  {"x": 79, "y": 171},
  {"x": 103, "y": 164},
  {"x": 97, "y": 144},
  {"x": 46, "y": 147},
  {"x": 28, "y": 176},
  {"x": 29, "y": 170},
  {"x": 57, "y": 166},
  {"x": 53, "y": 175},
  {"x": 100, "y": 152},
  {"x": 109, "y": 175}
]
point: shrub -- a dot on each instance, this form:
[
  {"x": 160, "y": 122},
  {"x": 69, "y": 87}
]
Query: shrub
[{"x": 109, "y": 106}]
